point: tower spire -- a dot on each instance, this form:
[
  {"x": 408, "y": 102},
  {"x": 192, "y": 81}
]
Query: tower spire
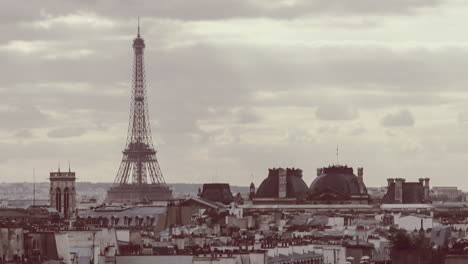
[{"x": 138, "y": 27}]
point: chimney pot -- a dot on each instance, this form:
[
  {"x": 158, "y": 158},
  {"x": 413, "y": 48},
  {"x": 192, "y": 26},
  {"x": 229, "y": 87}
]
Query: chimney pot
[{"x": 319, "y": 171}]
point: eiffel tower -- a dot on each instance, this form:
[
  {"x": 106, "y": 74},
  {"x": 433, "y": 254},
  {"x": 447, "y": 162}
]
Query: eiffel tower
[{"x": 139, "y": 178}]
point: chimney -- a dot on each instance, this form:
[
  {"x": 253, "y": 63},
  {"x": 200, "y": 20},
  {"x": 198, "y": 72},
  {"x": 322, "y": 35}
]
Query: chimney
[
  {"x": 281, "y": 183},
  {"x": 426, "y": 189},
  {"x": 360, "y": 174},
  {"x": 399, "y": 190},
  {"x": 390, "y": 181},
  {"x": 319, "y": 171}
]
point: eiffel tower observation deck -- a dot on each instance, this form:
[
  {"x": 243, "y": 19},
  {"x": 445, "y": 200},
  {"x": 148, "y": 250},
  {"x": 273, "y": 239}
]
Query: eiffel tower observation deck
[{"x": 139, "y": 178}]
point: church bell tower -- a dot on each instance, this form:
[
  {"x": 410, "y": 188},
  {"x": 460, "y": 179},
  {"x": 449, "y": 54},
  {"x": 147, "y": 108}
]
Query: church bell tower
[{"x": 62, "y": 192}]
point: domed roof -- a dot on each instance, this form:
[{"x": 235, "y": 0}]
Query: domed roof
[
  {"x": 217, "y": 192},
  {"x": 337, "y": 180},
  {"x": 295, "y": 185}
]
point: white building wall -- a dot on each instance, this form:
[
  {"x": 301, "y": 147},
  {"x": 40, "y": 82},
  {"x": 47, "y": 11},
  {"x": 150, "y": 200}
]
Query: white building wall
[
  {"x": 331, "y": 254},
  {"x": 335, "y": 221},
  {"x": 177, "y": 259},
  {"x": 411, "y": 222},
  {"x": 272, "y": 252},
  {"x": 284, "y": 250},
  {"x": 63, "y": 248}
]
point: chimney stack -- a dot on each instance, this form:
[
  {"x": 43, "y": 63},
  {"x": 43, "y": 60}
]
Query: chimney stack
[
  {"x": 426, "y": 189},
  {"x": 399, "y": 190},
  {"x": 282, "y": 183},
  {"x": 319, "y": 171},
  {"x": 360, "y": 174},
  {"x": 390, "y": 181}
]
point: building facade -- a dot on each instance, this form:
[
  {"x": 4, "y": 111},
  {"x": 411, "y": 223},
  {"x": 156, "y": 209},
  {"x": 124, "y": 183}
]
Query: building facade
[
  {"x": 400, "y": 191},
  {"x": 62, "y": 192},
  {"x": 338, "y": 185}
]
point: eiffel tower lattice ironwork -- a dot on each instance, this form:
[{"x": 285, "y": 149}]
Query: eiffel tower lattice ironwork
[{"x": 139, "y": 164}]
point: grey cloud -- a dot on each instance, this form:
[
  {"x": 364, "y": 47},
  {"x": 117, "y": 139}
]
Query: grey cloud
[
  {"x": 336, "y": 112},
  {"x": 246, "y": 116},
  {"x": 359, "y": 67},
  {"x": 210, "y": 9},
  {"x": 462, "y": 117},
  {"x": 296, "y": 135},
  {"x": 22, "y": 116},
  {"x": 358, "y": 131},
  {"x": 403, "y": 118},
  {"x": 328, "y": 130},
  {"x": 205, "y": 65},
  {"x": 66, "y": 132},
  {"x": 24, "y": 133}
]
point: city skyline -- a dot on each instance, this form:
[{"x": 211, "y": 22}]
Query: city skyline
[{"x": 233, "y": 93}]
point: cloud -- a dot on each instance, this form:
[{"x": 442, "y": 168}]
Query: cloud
[
  {"x": 224, "y": 93},
  {"x": 24, "y": 133},
  {"x": 328, "y": 130},
  {"x": 403, "y": 118},
  {"x": 462, "y": 117},
  {"x": 66, "y": 132},
  {"x": 336, "y": 112},
  {"x": 50, "y": 12},
  {"x": 246, "y": 116},
  {"x": 358, "y": 131},
  {"x": 22, "y": 117}
]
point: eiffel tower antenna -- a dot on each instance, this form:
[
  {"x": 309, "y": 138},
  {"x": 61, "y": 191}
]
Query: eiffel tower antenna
[{"x": 138, "y": 27}]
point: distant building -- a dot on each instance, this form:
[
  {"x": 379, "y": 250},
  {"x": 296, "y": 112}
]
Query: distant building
[
  {"x": 119, "y": 216},
  {"x": 401, "y": 192},
  {"x": 282, "y": 184},
  {"x": 338, "y": 185},
  {"x": 62, "y": 192},
  {"x": 376, "y": 193},
  {"x": 333, "y": 185},
  {"x": 413, "y": 222},
  {"x": 447, "y": 194},
  {"x": 217, "y": 192}
]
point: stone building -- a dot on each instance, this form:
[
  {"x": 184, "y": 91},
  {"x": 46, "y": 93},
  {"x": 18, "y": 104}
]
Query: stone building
[
  {"x": 62, "y": 192},
  {"x": 217, "y": 192},
  {"x": 282, "y": 185},
  {"x": 338, "y": 185},
  {"x": 447, "y": 194},
  {"x": 399, "y": 191}
]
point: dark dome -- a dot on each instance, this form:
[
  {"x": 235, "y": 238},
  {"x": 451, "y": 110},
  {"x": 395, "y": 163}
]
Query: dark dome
[
  {"x": 217, "y": 192},
  {"x": 295, "y": 186},
  {"x": 337, "y": 179}
]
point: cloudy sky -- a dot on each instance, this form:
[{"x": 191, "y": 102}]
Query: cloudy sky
[{"x": 237, "y": 87}]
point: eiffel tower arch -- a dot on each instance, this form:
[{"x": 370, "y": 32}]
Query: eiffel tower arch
[{"x": 139, "y": 178}]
